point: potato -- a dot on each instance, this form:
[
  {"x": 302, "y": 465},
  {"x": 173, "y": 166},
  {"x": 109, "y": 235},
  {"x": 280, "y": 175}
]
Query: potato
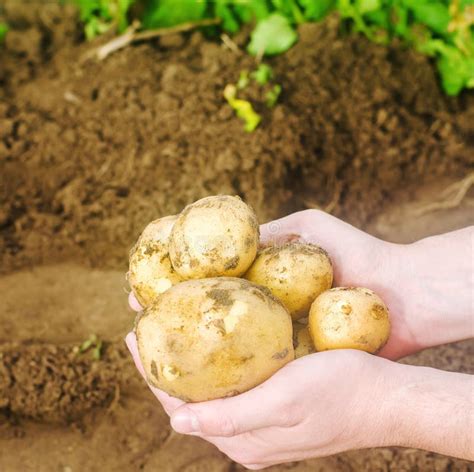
[
  {"x": 296, "y": 273},
  {"x": 302, "y": 342},
  {"x": 215, "y": 236},
  {"x": 349, "y": 318},
  {"x": 211, "y": 338},
  {"x": 150, "y": 270}
]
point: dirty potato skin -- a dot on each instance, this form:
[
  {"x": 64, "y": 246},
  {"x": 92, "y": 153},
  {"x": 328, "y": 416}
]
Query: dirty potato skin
[
  {"x": 296, "y": 273},
  {"x": 215, "y": 236},
  {"x": 349, "y": 318},
  {"x": 150, "y": 270},
  {"x": 302, "y": 342},
  {"x": 213, "y": 338}
]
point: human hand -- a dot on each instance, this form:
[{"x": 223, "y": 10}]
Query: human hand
[
  {"x": 337, "y": 400},
  {"x": 315, "y": 406},
  {"x": 358, "y": 260},
  {"x": 427, "y": 285}
]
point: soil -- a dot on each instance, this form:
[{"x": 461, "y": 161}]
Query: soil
[
  {"x": 90, "y": 152},
  {"x": 87, "y": 147}
]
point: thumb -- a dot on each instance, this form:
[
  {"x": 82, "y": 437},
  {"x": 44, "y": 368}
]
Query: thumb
[{"x": 262, "y": 407}]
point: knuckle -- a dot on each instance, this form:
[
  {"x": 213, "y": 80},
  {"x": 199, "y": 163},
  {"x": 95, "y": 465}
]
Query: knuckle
[
  {"x": 227, "y": 426},
  {"x": 311, "y": 213},
  {"x": 288, "y": 413}
]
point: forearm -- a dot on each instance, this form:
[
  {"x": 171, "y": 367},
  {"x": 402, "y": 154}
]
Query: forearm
[
  {"x": 432, "y": 410},
  {"x": 436, "y": 276}
]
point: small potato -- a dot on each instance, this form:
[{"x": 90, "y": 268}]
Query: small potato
[
  {"x": 211, "y": 338},
  {"x": 349, "y": 318},
  {"x": 150, "y": 270},
  {"x": 302, "y": 342},
  {"x": 215, "y": 236},
  {"x": 296, "y": 273}
]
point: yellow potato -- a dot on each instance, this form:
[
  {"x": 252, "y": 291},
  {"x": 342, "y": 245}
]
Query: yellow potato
[
  {"x": 302, "y": 342},
  {"x": 212, "y": 338},
  {"x": 349, "y": 318},
  {"x": 296, "y": 273},
  {"x": 150, "y": 270},
  {"x": 215, "y": 236}
]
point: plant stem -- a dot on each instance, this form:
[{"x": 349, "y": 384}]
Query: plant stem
[{"x": 132, "y": 36}]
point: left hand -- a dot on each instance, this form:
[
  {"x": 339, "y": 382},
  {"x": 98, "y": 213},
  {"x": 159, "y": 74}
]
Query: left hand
[{"x": 318, "y": 405}]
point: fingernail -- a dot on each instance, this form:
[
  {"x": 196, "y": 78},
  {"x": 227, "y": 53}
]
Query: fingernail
[{"x": 185, "y": 422}]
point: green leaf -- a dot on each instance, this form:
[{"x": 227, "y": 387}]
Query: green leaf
[
  {"x": 315, "y": 10},
  {"x": 242, "y": 108},
  {"x": 379, "y": 17},
  {"x": 271, "y": 97},
  {"x": 456, "y": 70},
  {"x": 243, "y": 79},
  {"x": 290, "y": 9},
  {"x": 272, "y": 35},
  {"x": 121, "y": 14},
  {"x": 91, "y": 341},
  {"x": 3, "y": 31},
  {"x": 97, "y": 351},
  {"x": 399, "y": 20},
  {"x": 366, "y": 6},
  {"x": 95, "y": 27},
  {"x": 165, "y": 13},
  {"x": 251, "y": 10},
  {"x": 432, "y": 14},
  {"x": 244, "y": 13},
  {"x": 229, "y": 20},
  {"x": 263, "y": 74}
]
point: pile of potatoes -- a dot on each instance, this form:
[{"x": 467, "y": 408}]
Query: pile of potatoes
[{"x": 220, "y": 315}]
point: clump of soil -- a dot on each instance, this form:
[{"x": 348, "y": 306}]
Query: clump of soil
[
  {"x": 53, "y": 383},
  {"x": 90, "y": 152}
]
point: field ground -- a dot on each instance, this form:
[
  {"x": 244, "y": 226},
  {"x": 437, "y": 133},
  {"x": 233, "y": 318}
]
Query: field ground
[{"x": 90, "y": 152}]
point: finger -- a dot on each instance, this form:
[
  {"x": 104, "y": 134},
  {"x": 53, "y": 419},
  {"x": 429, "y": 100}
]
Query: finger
[
  {"x": 131, "y": 342},
  {"x": 264, "y": 406},
  {"x": 169, "y": 403},
  {"x": 281, "y": 231},
  {"x": 349, "y": 249},
  {"x": 133, "y": 302}
]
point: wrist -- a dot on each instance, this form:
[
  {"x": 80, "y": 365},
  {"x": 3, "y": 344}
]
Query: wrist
[
  {"x": 437, "y": 286},
  {"x": 428, "y": 409}
]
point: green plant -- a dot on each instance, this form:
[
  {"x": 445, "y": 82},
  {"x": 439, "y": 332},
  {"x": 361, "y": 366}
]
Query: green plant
[
  {"x": 272, "y": 96},
  {"x": 91, "y": 343},
  {"x": 262, "y": 77},
  {"x": 442, "y": 29},
  {"x": 3, "y": 31},
  {"x": 243, "y": 108},
  {"x": 99, "y": 16},
  {"x": 262, "y": 74}
]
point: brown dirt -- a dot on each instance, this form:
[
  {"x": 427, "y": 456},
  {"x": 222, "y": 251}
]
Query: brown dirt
[
  {"x": 87, "y": 147},
  {"x": 52, "y": 383},
  {"x": 91, "y": 152}
]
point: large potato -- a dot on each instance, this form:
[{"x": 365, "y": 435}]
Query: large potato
[
  {"x": 150, "y": 270},
  {"x": 211, "y": 338},
  {"x": 349, "y": 318},
  {"x": 215, "y": 236},
  {"x": 296, "y": 273}
]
